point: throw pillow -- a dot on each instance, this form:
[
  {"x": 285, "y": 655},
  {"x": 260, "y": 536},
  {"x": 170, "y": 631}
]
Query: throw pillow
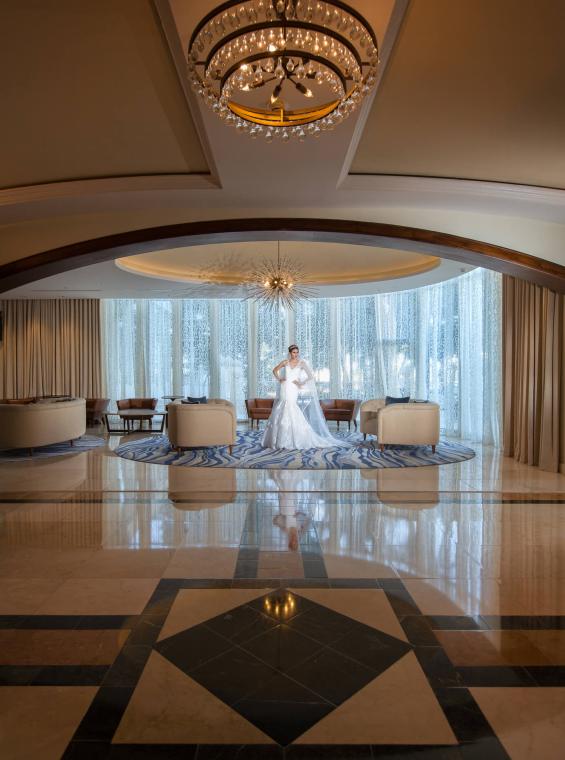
[
  {"x": 393, "y": 400},
  {"x": 195, "y": 400}
]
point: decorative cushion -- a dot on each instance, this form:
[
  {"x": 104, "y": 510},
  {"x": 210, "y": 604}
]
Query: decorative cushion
[
  {"x": 393, "y": 400},
  {"x": 195, "y": 400}
]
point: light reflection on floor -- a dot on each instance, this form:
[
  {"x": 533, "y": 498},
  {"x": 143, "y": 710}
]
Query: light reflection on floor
[{"x": 465, "y": 562}]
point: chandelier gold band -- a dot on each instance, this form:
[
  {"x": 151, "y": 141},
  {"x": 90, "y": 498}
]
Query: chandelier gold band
[{"x": 282, "y": 118}]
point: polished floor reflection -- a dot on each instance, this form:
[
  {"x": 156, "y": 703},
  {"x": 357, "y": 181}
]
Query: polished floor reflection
[{"x": 151, "y": 611}]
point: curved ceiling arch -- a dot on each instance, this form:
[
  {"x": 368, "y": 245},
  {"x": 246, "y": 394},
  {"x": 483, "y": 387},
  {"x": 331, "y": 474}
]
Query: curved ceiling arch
[{"x": 445, "y": 245}]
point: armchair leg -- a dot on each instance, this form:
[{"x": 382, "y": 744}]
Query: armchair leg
[
  {"x": 364, "y": 436},
  {"x": 433, "y": 448},
  {"x": 349, "y": 425},
  {"x": 230, "y": 449},
  {"x": 355, "y": 424},
  {"x": 381, "y": 447}
]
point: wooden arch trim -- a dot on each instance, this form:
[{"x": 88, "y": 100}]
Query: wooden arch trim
[{"x": 443, "y": 244}]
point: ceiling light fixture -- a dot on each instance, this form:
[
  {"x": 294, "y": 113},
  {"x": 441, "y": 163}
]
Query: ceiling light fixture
[
  {"x": 283, "y": 68},
  {"x": 278, "y": 284}
]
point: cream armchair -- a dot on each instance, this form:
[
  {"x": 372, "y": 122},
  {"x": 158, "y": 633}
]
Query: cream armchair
[
  {"x": 200, "y": 425},
  {"x": 411, "y": 423}
]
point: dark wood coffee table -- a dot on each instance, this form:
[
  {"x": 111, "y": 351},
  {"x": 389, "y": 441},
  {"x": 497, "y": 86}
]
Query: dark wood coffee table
[{"x": 128, "y": 418}]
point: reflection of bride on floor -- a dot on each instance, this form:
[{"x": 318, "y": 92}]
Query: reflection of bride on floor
[
  {"x": 293, "y": 517},
  {"x": 297, "y": 420}
]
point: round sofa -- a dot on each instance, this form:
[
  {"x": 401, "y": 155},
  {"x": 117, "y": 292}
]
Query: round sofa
[{"x": 28, "y": 425}]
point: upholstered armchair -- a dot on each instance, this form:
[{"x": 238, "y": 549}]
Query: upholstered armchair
[
  {"x": 202, "y": 425},
  {"x": 412, "y": 423},
  {"x": 258, "y": 409},
  {"x": 136, "y": 403},
  {"x": 95, "y": 408},
  {"x": 341, "y": 410}
]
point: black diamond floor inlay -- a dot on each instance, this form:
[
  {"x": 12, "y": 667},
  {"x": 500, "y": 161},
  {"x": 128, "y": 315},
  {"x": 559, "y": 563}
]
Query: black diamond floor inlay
[{"x": 282, "y": 661}]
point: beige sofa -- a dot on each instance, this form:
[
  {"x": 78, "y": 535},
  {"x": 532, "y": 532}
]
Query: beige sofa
[
  {"x": 28, "y": 425},
  {"x": 200, "y": 425},
  {"x": 411, "y": 423}
]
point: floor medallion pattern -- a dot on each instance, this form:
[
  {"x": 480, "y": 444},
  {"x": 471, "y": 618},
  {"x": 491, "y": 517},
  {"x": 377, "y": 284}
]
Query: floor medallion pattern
[{"x": 282, "y": 661}]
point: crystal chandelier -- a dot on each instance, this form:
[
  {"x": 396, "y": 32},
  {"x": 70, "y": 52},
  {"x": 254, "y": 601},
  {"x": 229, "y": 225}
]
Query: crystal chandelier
[
  {"x": 278, "y": 284},
  {"x": 283, "y": 68}
]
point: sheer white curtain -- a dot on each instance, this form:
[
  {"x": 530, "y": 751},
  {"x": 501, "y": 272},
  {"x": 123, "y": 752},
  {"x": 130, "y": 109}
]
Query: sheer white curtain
[{"x": 441, "y": 342}]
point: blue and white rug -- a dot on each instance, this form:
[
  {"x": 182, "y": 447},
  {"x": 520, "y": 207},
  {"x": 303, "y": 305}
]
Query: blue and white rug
[
  {"x": 249, "y": 454},
  {"x": 84, "y": 443}
]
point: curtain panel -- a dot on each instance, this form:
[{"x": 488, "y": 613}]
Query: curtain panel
[
  {"x": 50, "y": 347},
  {"x": 441, "y": 342},
  {"x": 532, "y": 366}
]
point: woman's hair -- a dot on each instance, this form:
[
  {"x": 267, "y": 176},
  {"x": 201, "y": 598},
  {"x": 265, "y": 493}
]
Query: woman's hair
[{"x": 291, "y": 348}]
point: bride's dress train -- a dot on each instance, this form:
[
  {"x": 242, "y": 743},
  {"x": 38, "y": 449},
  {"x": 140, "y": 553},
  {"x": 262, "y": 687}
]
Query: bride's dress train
[{"x": 297, "y": 421}]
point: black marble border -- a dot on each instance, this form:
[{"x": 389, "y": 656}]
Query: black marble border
[
  {"x": 68, "y": 622},
  {"x": 354, "y": 497},
  {"x": 496, "y": 622},
  {"x": 52, "y": 675}
]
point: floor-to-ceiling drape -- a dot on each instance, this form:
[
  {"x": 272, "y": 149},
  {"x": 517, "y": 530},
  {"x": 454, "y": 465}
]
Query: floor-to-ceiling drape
[
  {"x": 441, "y": 342},
  {"x": 50, "y": 347},
  {"x": 533, "y": 345}
]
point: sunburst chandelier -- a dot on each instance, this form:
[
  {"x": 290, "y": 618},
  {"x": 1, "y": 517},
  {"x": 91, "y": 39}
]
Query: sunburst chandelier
[
  {"x": 280, "y": 283},
  {"x": 283, "y": 68}
]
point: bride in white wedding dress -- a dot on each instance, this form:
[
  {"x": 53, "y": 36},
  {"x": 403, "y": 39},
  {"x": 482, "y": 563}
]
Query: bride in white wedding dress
[{"x": 297, "y": 420}]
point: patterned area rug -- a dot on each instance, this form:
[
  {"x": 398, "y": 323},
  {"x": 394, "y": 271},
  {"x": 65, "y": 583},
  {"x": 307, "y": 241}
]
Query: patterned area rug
[
  {"x": 249, "y": 454},
  {"x": 84, "y": 443}
]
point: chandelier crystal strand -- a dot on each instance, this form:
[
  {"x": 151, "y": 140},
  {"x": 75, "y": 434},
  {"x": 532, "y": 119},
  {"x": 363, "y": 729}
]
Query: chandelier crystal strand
[{"x": 283, "y": 68}]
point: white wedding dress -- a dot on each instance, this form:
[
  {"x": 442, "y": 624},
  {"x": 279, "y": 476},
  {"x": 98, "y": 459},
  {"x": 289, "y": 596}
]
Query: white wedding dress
[{"x": 297, "y": 421}]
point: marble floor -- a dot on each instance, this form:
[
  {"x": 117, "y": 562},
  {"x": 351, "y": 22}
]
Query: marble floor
[{"x": 166, "y": 612}]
